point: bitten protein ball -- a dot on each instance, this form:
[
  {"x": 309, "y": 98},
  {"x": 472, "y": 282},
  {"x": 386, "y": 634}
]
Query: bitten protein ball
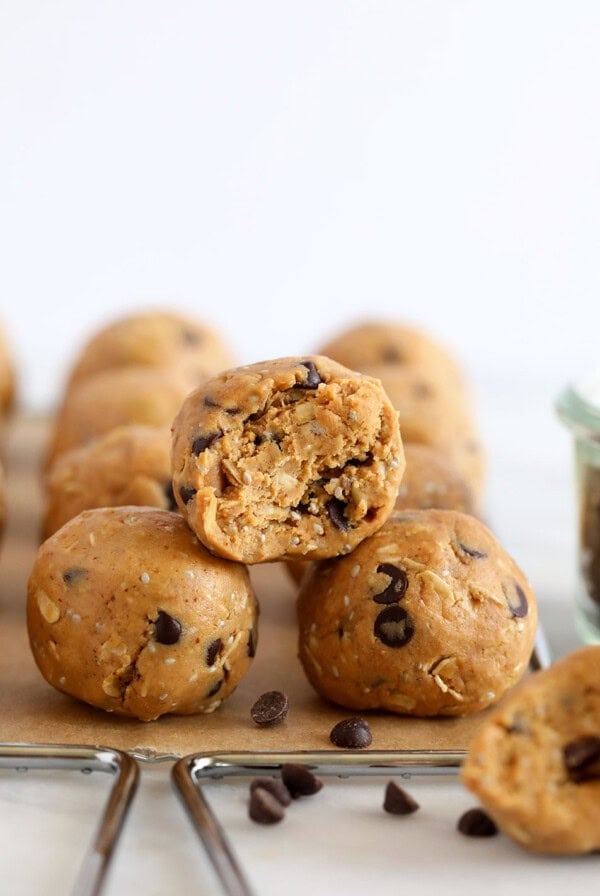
[
  {"x": 297, "y": 457},
  {"x": 535, "y": 763},
  {"x": 429, "y": 616},
  {"x": 127, "y": 465},
  {"x": 127, "y": 612}
]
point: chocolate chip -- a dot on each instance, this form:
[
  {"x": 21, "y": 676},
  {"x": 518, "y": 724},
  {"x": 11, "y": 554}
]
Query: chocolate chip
[
  {"x": 394, "y": 627},
  {"x": 264, "y": 807},
  {"x": 471, "y": 552},
  {"x": 396, "y": 590},
  {"x": 313, "y": 380},
  {"x": 201, "y": 443},
  {"x": 232, "y": 411},
  {"x": 422, "y": 390},
  {"x": 335, "y": 509},
  {"x": 397, "y": 801},
  {"x": 166, "y": 629},
  {"x": 274, "y": 786},
  {"x": 209, "y": 403},
  {"x": 356, "y": 462},
  {"x": 73, "y": 575},
  {"x": 351, "y": 734},
  {"x": 212, "y": 651},
  {"x": 251, "y": 643},
  {"x": 516, "y": 600},
  {"x": 392, "y": 354},
  {"x": 299, "y": 780},
  {"x": 192, "y": 337},
  {"x": 170, "y": 495},
  {"x": 476, "y": 823},
  {"x": 271, "y": 708},
  {"x": 582, "y": 758},
  {"x": 215, "y": 688},
  {"x": 186, "y": 493}
]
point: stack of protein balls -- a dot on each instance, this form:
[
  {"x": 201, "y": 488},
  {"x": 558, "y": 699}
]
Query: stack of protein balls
[{"x": 404, "y": 606}]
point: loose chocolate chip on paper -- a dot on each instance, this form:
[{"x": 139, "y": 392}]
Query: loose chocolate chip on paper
[
  {"x": 264, "y": 807},
  {"x": 396, "y": 590},
  {"x": 476, "y": 823},
  {"x": 394, "y": 627},
  {"x": 313, "y": 380},
  {"x": 167, "y": 630},
  {"x": 582, "y": 758},
  {"x": 299, "y": 780},
  {"x": 201, "y": 443},
  {"x": 212, "y": 651},
  {"x": 186, "y": 493},
  {"x": 397, "y": 801},
  {"x": 351, "y": 734},
  {"x": 515, "y": 598},
  {"x": 274, "y": 786},
  {"x": 271, "y": 708},
  {"x": 335, "y": 509},
  {"x": 73, "y": 575}
]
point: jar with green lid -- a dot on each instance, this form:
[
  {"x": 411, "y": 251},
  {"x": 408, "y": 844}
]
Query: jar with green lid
[{"x": 579, "y": 408}]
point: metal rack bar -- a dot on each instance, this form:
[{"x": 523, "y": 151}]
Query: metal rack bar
[{"x": 92, "y": 872}]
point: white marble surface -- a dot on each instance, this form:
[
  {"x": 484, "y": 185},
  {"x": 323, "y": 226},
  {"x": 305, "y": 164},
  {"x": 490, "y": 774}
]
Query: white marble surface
[{"x": 340, "y": 841}]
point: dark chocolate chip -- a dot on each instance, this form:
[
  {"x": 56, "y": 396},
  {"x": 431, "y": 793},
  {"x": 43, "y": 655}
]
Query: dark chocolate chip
[
  {"x": 212, "y": 651},
  {"x": 397, "y": 801},
  {"x": 264, "y": 807},
  {"x": 215, "y": 688},
  {"x": 186, "y": 493},
  {"x": 271, "y": 708},
  {"x": 275, "y": 786},
  {"x": 476, "y": 823},
  {"x": 351, "y": 734},
  {"x": 251, "y": 643},
  {"x": 356, "y": 462},
  {"x": 73, "y": 575},
  {"x": 471, "y": 552},
  {"x": 201, "y": 443},
  {"x": 422, "y": 390},
  {"x": 582, "y": 758},
  {"x": 192, "y": 337},
  {"x": 516, "y": 600},
  {"x": 166, "y": 629},
  {"x": 396, "y": 590},
  {"x": 232, "y": 411},
  {"x": 392, "y": 354},
  {"x": 335, "y": 509},
  {"x": 170, "y": 495},
  {"x": 299, "y": 780},
  {"x": 209, "y": 403},
  {"x": 313, "y": 380},
  {"x": 394, "y": 627}
]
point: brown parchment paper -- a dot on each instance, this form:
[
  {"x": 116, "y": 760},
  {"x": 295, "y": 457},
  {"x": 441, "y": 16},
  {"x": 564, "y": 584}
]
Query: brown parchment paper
[{"x": 32, "y": 711}]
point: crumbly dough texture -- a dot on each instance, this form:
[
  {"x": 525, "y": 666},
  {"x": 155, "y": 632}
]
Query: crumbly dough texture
[
  {"x": 428, "y": 617},
  {"x": 127, "y": 465},
  {"x": 126, "y": 395},
  {"x": 127, "y": 612},
  {"x": 517, "y": 764},
  {"x": 430, "y": 481},
  {"x": 297, "y": 457},
  {"x": 154, "y": 339}
]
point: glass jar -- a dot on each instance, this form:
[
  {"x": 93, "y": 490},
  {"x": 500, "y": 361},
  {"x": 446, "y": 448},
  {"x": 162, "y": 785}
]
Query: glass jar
[{"x": 579, "y": 408}]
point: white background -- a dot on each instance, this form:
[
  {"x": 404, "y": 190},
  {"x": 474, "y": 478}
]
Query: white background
[{"x": 281, "y": 168}]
